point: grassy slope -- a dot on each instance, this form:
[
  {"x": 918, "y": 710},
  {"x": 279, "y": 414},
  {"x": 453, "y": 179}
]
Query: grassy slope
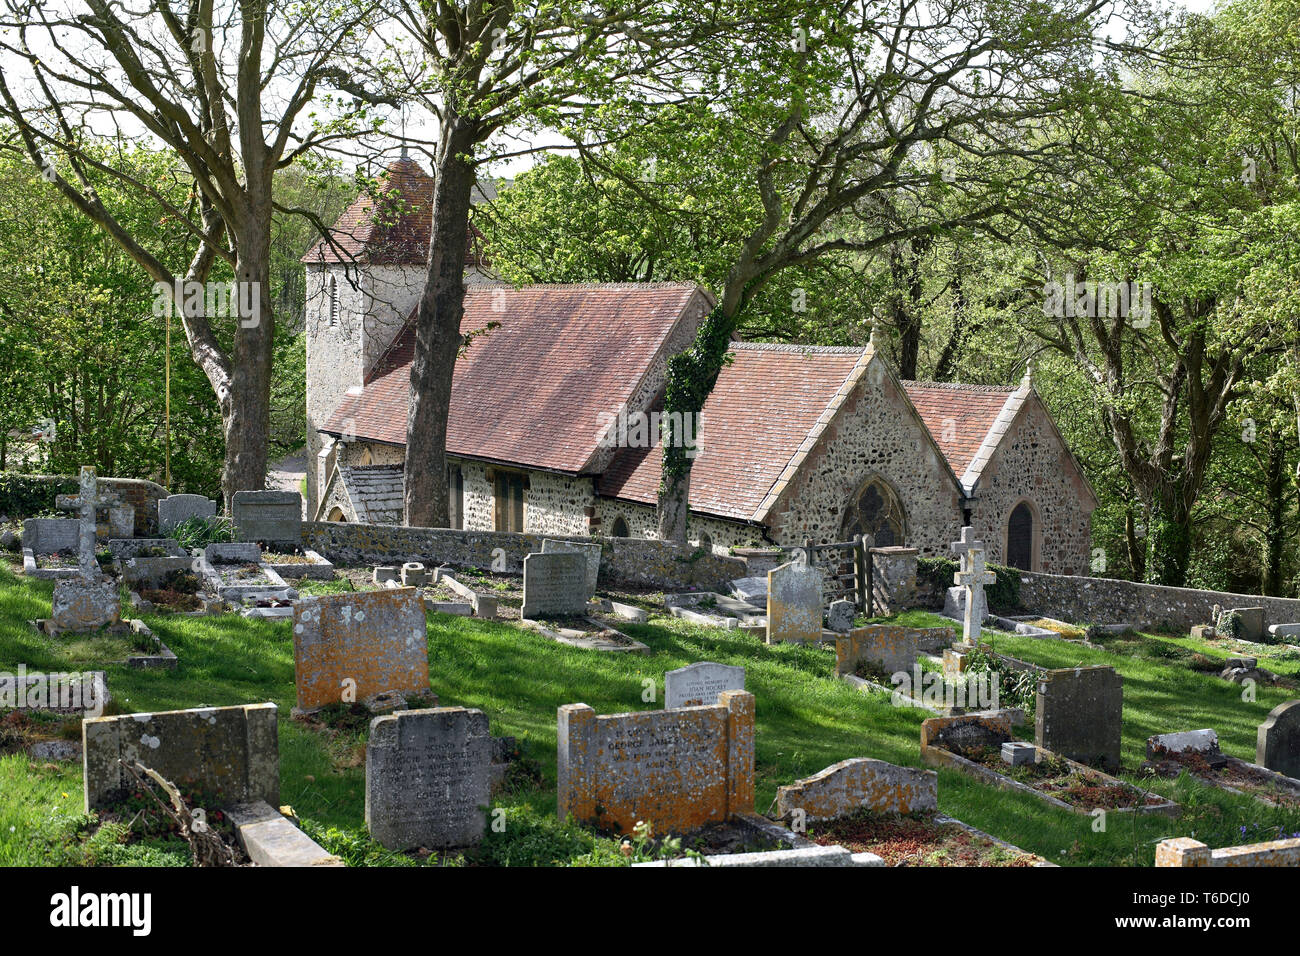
[{"x": 805, "y": 722}]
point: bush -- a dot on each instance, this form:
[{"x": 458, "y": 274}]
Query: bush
[
  {"x": 29, "y": 495},
  {"x": 199, "y": 532},
  {"x": 1003, "y": 594}
]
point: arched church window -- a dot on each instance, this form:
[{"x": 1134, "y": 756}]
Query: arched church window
[
  {"x": 1020, "y": 537},
  {"x": 619, "y": 528},
  {"x": 706, "y": 542},
  {"x": 875, "y": 510},
  {"x": 336, "y": 514}
]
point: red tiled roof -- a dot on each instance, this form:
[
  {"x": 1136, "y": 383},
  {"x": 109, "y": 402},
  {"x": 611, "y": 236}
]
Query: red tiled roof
[
  {"x": 531, "y": 391},
  {"x": 764, "y": 405},
  {"x": 391, "y": 229},
  {"x": 958, "y": 416}
]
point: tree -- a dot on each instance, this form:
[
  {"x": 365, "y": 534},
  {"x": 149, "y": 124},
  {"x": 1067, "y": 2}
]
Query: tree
[{"x": 224, "y": 86}]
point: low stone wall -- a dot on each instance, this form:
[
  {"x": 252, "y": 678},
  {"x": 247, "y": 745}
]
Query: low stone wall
[
  {"x": 633, "y": 561},
  {"x": 1108, "y": 601},
  {"x": 1184, "y": 851}
]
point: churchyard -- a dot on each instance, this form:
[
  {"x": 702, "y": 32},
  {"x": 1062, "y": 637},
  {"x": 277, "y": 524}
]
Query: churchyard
[{"x": 538, "y": 709}]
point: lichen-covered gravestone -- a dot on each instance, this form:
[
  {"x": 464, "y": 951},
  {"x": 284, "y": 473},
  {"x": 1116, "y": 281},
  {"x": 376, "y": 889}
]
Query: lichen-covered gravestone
[
  {"x": 274, "y": 517},
  {"x": 428, "y": 778},
  {"x": 589, "y": 551},
  {"x": 177, "y": 509},
  {"x": 892, "y": 647},
  {"x": 1277, "y": 744},
  {"x": 698, "y": 684},
  {"x": 226, "y": 754},
  {"x": 839, "y": 615},
  {"x": 860, "y": 783},
  {"x": 48, "y": 535},
  {"x": 555, "y": 584},
  {"x": 794, "y": 603},
  {"x": 1079, "y": 714},
  {"x": 349, "y": 647},
  {"x": 674, "y": 769}
]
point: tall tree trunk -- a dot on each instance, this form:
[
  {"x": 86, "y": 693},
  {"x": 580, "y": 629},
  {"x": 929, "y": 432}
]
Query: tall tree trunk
[
  {"x": 1169, "y": 540},
  {"x": 437, "y": 335},
  {"x": 1275, "y": 536}
]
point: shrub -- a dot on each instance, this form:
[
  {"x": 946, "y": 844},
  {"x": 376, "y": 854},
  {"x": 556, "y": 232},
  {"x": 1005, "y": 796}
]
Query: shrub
[
  {"x": 1003, "y": 594},
  {"x": 199, "y": 532},
  {"x": 30, "y": 495}
]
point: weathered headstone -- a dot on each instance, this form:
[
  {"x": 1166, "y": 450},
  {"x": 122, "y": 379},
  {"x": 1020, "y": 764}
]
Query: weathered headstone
[
  {"x": 177, "y": 509},
  {"x": 839, "y": 615},
  {"x": 349, "y": 647},
  {"x": 48, "y": 535},
  {"x": 1079, "y": 714},
  {"x": 428, "y": 778},
  {"x": 860, "y": 783},
  {"x": 1186, "y": 741},
  {"x": 972, "y": 577},
  {"x": 794, "y": 603},
  {"x": 891, "y": 646},
  {"x": 590, "y": 551},
  {"x": 751, "y": 589},
  {"x": 228, "y": 754},
  {"x": 232, "y": 552},
  {"x": 1252, "y": 622},
  {"x": 1277, "y": 744},
  {"x": 698, "y": 684},
  {"x": 675, "y": 769},
  {"x": 274, "y": 517},
  {"x": 555, "y": 583},
  {"x": 967, "y": 732}
]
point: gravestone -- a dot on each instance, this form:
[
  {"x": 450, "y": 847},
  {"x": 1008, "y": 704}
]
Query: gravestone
[
  {"x": 274, "y": 517},
  {"x": 1252, "y": 623},
  {"x": 839, "y": 616},
  {"x": 48, "y": 535},
  {"x": 971, "y": 578},
  {"x": 1079, "y": 714},
  {"x": 677, "y": 769},
  {"x": 233, "y": 552},
  {"x": 751, "y": 589},
  {"x": 555, "y": 583},
  {"x": 1277, "y": 744},
  {"x": 698, "y": 684},
  {"x": 177, "y": 509},
  {"x": 350, "y": 647},
  {"x": 860, "y": 783},
  {"x": 428, "y": 778},
  {"x": 590, "y": 551},
  {"x": 91, "y": 600},
  {"x": 794, "y": 603},
  {"x": 229, "y": 754},
  {"x": 892, "y": 646},
  {"x": 967, "y": 732}
]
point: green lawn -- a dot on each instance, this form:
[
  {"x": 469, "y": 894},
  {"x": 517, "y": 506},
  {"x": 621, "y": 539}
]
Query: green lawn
[{"x": 805, "y": 721}]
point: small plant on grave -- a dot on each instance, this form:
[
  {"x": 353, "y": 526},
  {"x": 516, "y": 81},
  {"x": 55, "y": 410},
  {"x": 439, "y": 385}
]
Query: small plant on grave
[
  {"x": 104, "y": 558},
  {"x": 181, "y": 581},
  {"x": 199, "y": 532},
  {"x": 873, "y": 671},
  {"x": 1230, "y": 625}
]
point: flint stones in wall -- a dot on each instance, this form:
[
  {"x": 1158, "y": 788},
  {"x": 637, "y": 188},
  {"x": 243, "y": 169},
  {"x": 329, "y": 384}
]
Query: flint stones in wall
[
  {"x": 271, "y": 516},
  {"x": 230, "y": 754},
  {"x": 555, "y": 583},
  {"x": 849, "y": 785},
  {"x": 677, "y": 769},
  {"x": 698, "y": 684},
  {"x": 794, "y": 603},
  {"x": 1078, "y": 715},
  {"x": 177, "y": 509},
  {"x": 47, "y": 535},
  {"x": 428, "y": 778},
  {"x": 590, "y": 551},
  {"x": 80, "y": 605},
  {"x": 348, "y": 647},
  {"x": 1277, "y": 745}
]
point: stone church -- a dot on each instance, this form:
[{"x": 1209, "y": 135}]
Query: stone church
[{"x": 795, "y": 442}]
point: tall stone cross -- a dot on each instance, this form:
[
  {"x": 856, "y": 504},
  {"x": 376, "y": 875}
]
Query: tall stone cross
[
  {"x": 973, "y": 576},
  {"x": 86, "y": 501}
]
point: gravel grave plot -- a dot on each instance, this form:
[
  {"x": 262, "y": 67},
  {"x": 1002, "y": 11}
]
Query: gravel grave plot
[
  {"x": 1234, "y": 775},
  {"x": 1058, "y": 779},
  {"x": 916, "y": 840}
]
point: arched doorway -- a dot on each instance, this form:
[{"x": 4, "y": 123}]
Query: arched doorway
[
  {"x": 336, "y": 514},
  {"x": 1020, "y": 537},
  {"x": 875, "y": 510}
]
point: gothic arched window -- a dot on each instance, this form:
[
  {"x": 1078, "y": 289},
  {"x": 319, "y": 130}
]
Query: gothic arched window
[
  {"x": 875, "y": 510},
  {"x": 1020, "y": 537},
  {"x": 619, "y": 528}
]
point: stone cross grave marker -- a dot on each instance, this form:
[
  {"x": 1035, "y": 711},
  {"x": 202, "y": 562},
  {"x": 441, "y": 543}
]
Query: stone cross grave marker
[
  {"x": 794, "y": 603},
  {"x": 555, "y": 583},
  {"x": 972, "y": 576},
  {"x": 85, "y": 502},
  {"x": 428, "y": 778},
  {"x": 698, "y": 684},
  {"x": 350, "y": 647},
  {"x": 1277, "y": 743},
  {"x": 87, "y": 601}
]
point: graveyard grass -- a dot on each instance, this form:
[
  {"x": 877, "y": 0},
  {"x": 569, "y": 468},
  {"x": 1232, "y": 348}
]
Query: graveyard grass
[{"x": 806, "y": 721}]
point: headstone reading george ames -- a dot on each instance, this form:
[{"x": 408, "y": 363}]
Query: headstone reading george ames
[
  {"x": 591, "y": 551},
  {"x": 972, "y": 577},
  {"x": 274, "y": 517},
  {"x": 177, "y": 509},
  {"x": 90, "y": 600},
  {"x": 794, "y": 603},
  {"x": 1277, "y": 744},
  {"x": 675, "y": 769},
  {"x": 349, "y": 647},
  {"x": 428, "y": 778},
  {"x": 555, "y": 584},
  {"x": 698, "y": 684},
  {"x": 229, "y": 754},
  {"x": 860, "y": 783},
  {"x": 1078, "y": 714}
]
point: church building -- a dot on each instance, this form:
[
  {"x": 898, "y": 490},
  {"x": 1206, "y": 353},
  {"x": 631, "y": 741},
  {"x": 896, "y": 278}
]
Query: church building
[{"x": 553, "y": 404}]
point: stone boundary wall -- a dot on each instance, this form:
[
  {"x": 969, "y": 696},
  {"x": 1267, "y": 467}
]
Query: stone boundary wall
[
  {"x": 634, "y": 561},
  {"x": 1110, "y": 601}
]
